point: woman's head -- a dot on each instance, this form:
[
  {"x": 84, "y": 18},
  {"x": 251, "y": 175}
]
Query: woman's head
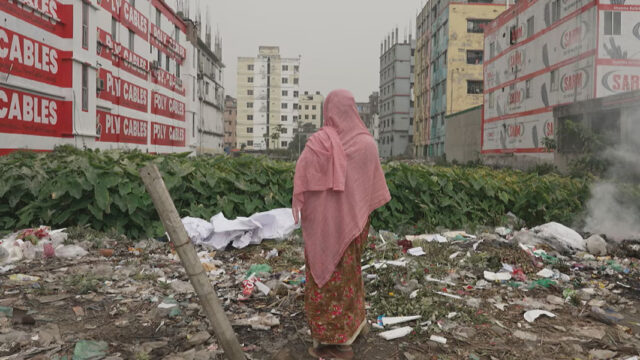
[{"x": 340, "y": 112}]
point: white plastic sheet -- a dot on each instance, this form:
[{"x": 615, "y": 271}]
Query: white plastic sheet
[{"x": 242, "y": 231}]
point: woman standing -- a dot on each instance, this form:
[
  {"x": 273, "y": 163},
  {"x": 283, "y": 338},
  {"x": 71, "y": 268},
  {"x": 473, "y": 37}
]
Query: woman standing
[{"x": 338, "y": 183}]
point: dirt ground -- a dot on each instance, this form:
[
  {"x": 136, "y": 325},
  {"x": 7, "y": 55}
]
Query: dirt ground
[{"x": 119, "y": 300}]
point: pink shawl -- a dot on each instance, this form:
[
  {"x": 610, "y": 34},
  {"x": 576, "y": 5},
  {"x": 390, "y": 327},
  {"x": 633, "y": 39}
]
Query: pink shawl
[{"x": 337, "y": 184}]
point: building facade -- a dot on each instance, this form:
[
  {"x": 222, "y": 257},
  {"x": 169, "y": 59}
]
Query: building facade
[
  {"x": 268, "y": 99},
  {"x": 311, "y": 110},
  {"x": 544, "y": 54},
  {"x": 396, "y": 95},
  {"x": 210, "y": 123},
  {"x": 230, "y": 122},
  {"x": 448, "y": 66},
  {"x": 98, "y": 74},
  {"x": 374, "y": 122}
]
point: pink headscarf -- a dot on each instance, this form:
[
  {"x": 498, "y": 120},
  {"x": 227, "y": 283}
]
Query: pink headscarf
[{"x": 338, "y": 183}]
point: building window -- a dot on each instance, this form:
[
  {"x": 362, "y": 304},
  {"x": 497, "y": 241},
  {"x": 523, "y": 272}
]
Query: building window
[
  {"x": 285, "y": 67},
  {"x": 530, "y": 27},
  {"x": 612, "y": 23},
  {"x": 492, "y": 100},
  {"x": 114, "y": 29},
  {"x": 249, "y": 92},
  {"x": 132, "y": 38},
  {"x": 513, "y": 35},
  {"x": 250, "y": 79},
  {"x": 250, "y": 67},
  {"x": 285, "y": 93},
  {"x": 85, "y": 87},
  {"x": 306, "y": 117},
  {"x": 295, "y": 106},
  {"x": 476, "y": 25},
  {"x": 313, "y": 117},
  {"x": 554, "y": 80},
  {"x": 284, "y": 106},
  {"x": 283, "y": 118},
  {"x": 250, "y": 143},
  {"x": 555, "y": 11},
  {"x": 283, "y": 130},
  {"x": 285, "y": 80},
  {"x": 167, "y": 63},
  {"x": 158, "y": 17},
  {"x": 250, "y": 117},
  {"x": 176, "y": 33},
  {"x": 85, "y": 25},
  {"x": 474, "y": 87},
  {"x": 306, "y": 107},
  {"x": 474, "y": 57},
  {"x": 296, "y": 81},
  {"x": 249, "y": 105},
  {"x": 527, "y": 90},
  {"x": 492, "y": 50},
  {"x": 249, "y": 130},
  {"x": 159, "y": 59},
  {"x": 313, "y": 107},
  {"x": 177, "y": 70}
]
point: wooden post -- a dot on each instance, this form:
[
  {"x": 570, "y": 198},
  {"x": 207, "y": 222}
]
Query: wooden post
[{"x": 198, "y": 277}]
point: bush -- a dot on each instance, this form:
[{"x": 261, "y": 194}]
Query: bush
[{"x": 72, "y": 187}]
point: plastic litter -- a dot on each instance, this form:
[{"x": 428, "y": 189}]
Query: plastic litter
[
  {"x": 271, "y": 254},
  {"x": 70, "y": 251},
  {"x": 438, "y": 339},
  {"x": 532, "y": 315},
  {"x": 90, "y": 350},
  {"x": 396, "y": 333},
  {"x": 545, "y": 273},
  {"x": 428, "y": 238},
  {"x": 500, "y": 276},
  {"x": 416, "y": 251},
  {"x": 23, "y": 278},
  {"x": 259, "y": 269},
  {"x": 259, "y": 322},
  {"x": 399, "y": 319}
]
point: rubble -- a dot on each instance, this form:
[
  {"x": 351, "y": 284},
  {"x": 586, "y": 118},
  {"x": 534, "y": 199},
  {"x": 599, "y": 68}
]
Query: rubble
[{"x": 496, "y": 297}]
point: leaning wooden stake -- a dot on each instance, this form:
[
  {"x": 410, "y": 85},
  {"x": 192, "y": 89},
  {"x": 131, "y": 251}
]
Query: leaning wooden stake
[{"x": 208, "y": 298}]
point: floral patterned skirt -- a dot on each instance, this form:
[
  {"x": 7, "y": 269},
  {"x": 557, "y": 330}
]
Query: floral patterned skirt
[{"x": 336, "y": 312}]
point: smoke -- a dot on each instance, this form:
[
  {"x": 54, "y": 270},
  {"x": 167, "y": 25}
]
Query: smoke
[{"x": 614, "y": 206}]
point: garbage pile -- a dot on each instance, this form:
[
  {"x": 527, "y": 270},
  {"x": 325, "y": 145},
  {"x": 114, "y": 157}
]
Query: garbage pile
[{"x": 541, "y": 293}]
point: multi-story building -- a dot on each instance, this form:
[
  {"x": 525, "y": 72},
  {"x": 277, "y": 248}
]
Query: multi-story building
[
  {"x": 210, "y": 125},
  {"x": 543, "y": 54},
  {"x": 268, "y": 99},
  {"x": 230, "y": 118},
  {"x": 364, "y": 111},
  {"x": 105, "y": 74},
  {"x": 311, "y": 109},
  {"x": 448, "y": 66},
  {"x": 396, "y": 95},
  {"x": 374, "y": 118}
]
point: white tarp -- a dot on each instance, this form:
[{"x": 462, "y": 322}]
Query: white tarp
[{"x": 241, "y": 232}]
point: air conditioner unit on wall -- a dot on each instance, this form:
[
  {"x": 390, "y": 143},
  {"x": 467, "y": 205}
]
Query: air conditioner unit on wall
[
  {"x": 179, "y": 82},
  {"x": 154, "y": 65},
  {"x": 99, "y": 85}
]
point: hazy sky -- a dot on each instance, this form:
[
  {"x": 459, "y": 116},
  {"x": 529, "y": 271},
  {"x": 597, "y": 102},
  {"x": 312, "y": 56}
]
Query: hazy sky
[{"x": 339, "y": 40}]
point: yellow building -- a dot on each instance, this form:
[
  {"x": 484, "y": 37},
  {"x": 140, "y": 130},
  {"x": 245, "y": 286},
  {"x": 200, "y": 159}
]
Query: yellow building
[
  {"x": 268, "y": 100},
  {"x": 449, "y": 72},
  {"x": 311, "y": 109}
]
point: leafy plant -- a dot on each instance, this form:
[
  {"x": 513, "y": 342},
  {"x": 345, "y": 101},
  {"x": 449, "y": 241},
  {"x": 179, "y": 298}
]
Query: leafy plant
[{"x": 102, "y": 189}]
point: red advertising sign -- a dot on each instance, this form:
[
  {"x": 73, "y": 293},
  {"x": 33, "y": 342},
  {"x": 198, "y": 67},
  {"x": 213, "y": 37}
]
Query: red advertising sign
[
  {"x": 167, "y": 44},
  {"x": 112, "y": 6},
  {"x": 167, "y": 135},
  {"x": 134, "y": 20},
  {"x": 168, "y": 107},
  {"x": 132, "y": 62},
  {"x": 30, "y": 59},
  {"x": 49, "y": 15},
  {"x": 122, "y": 92},
  {"x": 23, "y": 113},
  {"x": 105, "y": 45},
  {"x": 121, "y": 129},
  {"x": 167, "y": 80}
]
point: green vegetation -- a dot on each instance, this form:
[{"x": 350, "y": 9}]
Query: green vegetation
[{"x": 70, "y": 187}]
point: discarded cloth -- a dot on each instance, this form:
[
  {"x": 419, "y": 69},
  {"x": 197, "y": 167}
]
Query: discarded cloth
[{"x": 241, "y": 232}]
